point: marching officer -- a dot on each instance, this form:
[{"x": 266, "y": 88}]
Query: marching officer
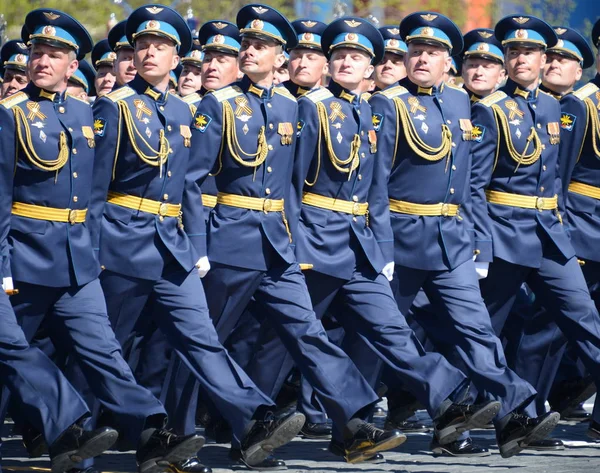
[
  {"x": 425, "y": 133},
  {"x": 391, "y": 69},
  {"x": 145, "y": 217},
  {"x": 245, "y": 135},
  {"x": 517, "y": 198},
  {"x": 52, "y": 261},
  {"x": 190, "y": 79},
  {"x": 103, "y": 60},
  {"x": 123, "y": 66},
  {"x": 13, "y": 67},
  {"x": 81, "y": 83}
]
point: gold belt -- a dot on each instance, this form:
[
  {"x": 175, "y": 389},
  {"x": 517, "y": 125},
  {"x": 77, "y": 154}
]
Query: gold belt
[
  {"x": 39, "y": 212},
  {"x": 522, "y": 201},
  {"x": 327, "y": 203},
  {"x": 426, "y": 210},
  {"x": 209, "y": 200},
  {"x": 145, "y": 205},
  {"x": 250, "y": 203},
  {"x": 584, "y": 189}
]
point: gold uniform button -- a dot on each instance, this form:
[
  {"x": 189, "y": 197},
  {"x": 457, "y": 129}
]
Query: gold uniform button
[
  {"x": 454, "y": 167},
  {"x": 269, "y": 105},
  {"x": 441, "y": 101},
  {"x": 169, "y": 128},
  {"x": 102, "y": 267},
  {"x": 542, "y": 189},
  {"x": 453, "y": 145},
  {"x": 161, "y": 108},
  {"x": 355, "y": 198},
  {"x": 476, "y": 252},
  {"x": 362, "y": 155},
  {"x": 449, "y": 122},
  {"x": 452, "y": 190},
  {"x": 61, "y": 109},
  {"x": 360, "y": 177},
  {"x": 75, "y": 199},
  {"x": 169, "y": 173},
  {"x": 534, "y": 106},
  {"x": 270, "y": 147},
  {"x": 354, "y": 219},
  {"x": 358, "y": 111},
  {"x": 74, "y": 150},
  {"x": 268, "y": 191},
  {"x": 539, "y": 126},
  {"x": 161, "y": 218},
  {"x": 270, "y": 126},
  {"x": 362, "y": 133},
  {"x": 543, "y": 146},
  {"x": 166, "y": 197},
  {"x": 70, "y": 129},
  {"x": 269, "y": 169},
  {"x": 74, "y": 175},
  {"x": 544, "y": 167}
]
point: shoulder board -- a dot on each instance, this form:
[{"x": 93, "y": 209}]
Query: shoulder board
[
  {"x": 318, "y": 95},
  {"x": 492, "y": 99},
  {"x": 393, "y": 92},
  {"x": 365, "y": 96},
  {"x": 10, "y": 102},
  {"x": 227, "y": 93},
  {"x": 585, "y": 91},
  {"x": 78, "y": 99},
  {"x": 120, "y": 93},
  {"x": 456, "y": 87},
  {"x": 192, "y": 98},
  {"x": 284, "y": 92},
  {"x": 549, "y": 95}
]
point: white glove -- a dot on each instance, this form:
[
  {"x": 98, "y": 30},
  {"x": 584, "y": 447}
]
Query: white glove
[
  {"x": 7, "y": 284},
  {"x": 388, "y": 271},
  {"x": 482, "y": 269},
  {"x": 203, "y": 266}
]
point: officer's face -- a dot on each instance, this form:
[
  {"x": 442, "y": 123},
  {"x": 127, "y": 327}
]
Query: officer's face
[
  {"x": 124, "y": 68},
  {"x": 50, "y": 67},
  {"x": 349, "y": 67},
  {"x": 190, "y": 80},
  {"x": 307, "y": 67},
  {"x": 77, "y": 91},
  {"x": 561, "y": 72},
  {"x": 219, "y": 69},
  {"x": 259, "y": 57},
  {"x": 482, "y": 76},
  {"x": 427, "y": 64},
  {"x": 154, "y": 58},
  {"x": 105, "y": 80},
  {"x": 524, "y": 64},
  {"x": 13, "y": 82},
  {"x": 281, "y": 74},
  {"x": 390, "y": 70}
]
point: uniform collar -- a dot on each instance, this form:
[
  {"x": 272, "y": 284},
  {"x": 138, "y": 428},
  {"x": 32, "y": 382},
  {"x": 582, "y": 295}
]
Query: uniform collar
[
  {"x": 295, "y": 89},
  {"x": 338, "y": 91},
  {"x": 249, "y": 87},
  {"x": 473, "y": 97},
  {"x": 144, "y": 88},
  {"x": 418, "y": 90},
  {"x": 515, "y": 89},
  {"x": 549, "y": 91},
  {"x": 35, "y": 92}
]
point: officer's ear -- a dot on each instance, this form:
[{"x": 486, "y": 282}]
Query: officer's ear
[
  {"x": 543, "y": 58},
  {"x": 369, "y": 71},
  {"x": 447, "y": 62},
  {"x": 73, "y": 65},
  {"x": 325, "y": 69},
  {"x": 175, "y": 59},
  {"x": 578, "y": 73}
]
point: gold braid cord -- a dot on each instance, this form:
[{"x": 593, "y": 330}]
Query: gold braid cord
[
  {"x": 158, "y": 158},
  {"x": 594, "y": 122},
  {"x": 345, "y": 166},
  {"x": 520, "y": 158},
  {"x": 422, "y": 149},
  {"x": 27, "y": 145}
]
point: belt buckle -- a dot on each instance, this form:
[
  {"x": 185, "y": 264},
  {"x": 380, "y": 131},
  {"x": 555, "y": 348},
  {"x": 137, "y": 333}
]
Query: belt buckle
[
  {"x": 355, "y": 208},
  {"x": 267, "y": 205},
  {"x": 445, "y": 210},
  {"x": 539, "y": 203},
  {"x": 163, "y": 209},
  {"x": 73, "y": 216}
]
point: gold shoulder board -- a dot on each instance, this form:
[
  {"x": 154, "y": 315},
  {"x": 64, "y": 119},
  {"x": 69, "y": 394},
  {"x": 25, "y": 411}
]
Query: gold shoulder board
[
  {"x": 585, "y": 91},
  {"x": 319, "y": 95},
  {"x": 120, "y": 94},
  {"x": 10, "y": 102},
  {"x": 455, "y": 87},
  {"x": 80, "y": 100},
  {"x": 492, "y": 99},
  {"x": 394, "y": 92},
  {"x": 227, "y": 93},
  {"x": 284, "y": 93},
  {"x": 190, "y": 99}
]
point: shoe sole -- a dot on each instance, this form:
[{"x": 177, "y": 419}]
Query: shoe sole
[
  {"x": 442, "y": 452},
  {"x": 285, "y": 433},
  {"x": 259, "y": 468},
  {"x": 540, "y": 432},
  {"x": 478, "y": 420},
  {"x": 593, "y": 434},
  {"x": 183, "y": 451},
  {"x": 546, "y": 449},
  {"x": 92, "y": 448},
  {"x": 310, "y": 436},
  {"x": 364, "y": 455},
  {"x": 587, "y": 393},
  {"x": 389, "y": 426}
]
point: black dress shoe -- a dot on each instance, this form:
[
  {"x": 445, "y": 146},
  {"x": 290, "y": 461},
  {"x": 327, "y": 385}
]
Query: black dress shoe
[
  {"x": 459, "y": 448},
  {"x": 218, "y": 430},
  {"x": 405, "y": 425},
  {"x": 76, "y": 444},
  {"x": 546, "y": 445},
  {"x": 164, "y": 448},
  {"x": 268, "y": 464},
  {"x": 367, "y": 440},
  {"x": 316, "y": 431},
  {"x": 191, "y": 465},
  {"x": 34, "y": 442},
  {"x": 273, "y": 431},
  {"x": 579, "y": 414},
  {"x": 594, "y": 430},
  {"x": 521, "y": 430},
  {"x": 337, "y": 448},
  {"x": 569, "y": 394},
  {"x": 459, "y": 418}
]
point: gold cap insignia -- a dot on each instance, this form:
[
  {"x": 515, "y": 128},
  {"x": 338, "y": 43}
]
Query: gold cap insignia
[
  {"x": 49, "y": 30},
  {"x": 21, "y": 58},
  {"x": 218, "y": 39},
  {"x": 393, "y": 31},
  {"x": 309, "y": 24},
  {"x": 220, "y": 25},
  {"x": 521, "y": 34},
  {"x": 51, "y": 15},
  {"x": 22, "y": 46},
  {"x": 196, "y": 54},
  {"x": 112, "y": 56},
  {"x": 308, "y": 37},
  {"x": 485, "y": 34},
  {"x": 154, "y": 10},
  {"x": 429, "y": 17},
  {"x": 484, "y": 47},
  {"x": 260, "y": 10},
  {"x": 352, "y": 23},
  {"x": 521, "y": 20},
  {"x": 257, "y": 25},
  {"x": 427, "y": 31},
  {"x": 393, "y": 43},
  {"x": 351, "y": 37},
  {"x": 153, "y": 25},
  {"x": 560, "y": 43},
  {"x": 560, "y": 30}
]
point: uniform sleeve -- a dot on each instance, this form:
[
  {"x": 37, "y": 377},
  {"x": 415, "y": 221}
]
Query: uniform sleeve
[
  {"x": 7, "y": 169},
  {"x": 483, "y": 157},
  {"x": 385, "y": 124},
  {"x": 107, "y": 129}
]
